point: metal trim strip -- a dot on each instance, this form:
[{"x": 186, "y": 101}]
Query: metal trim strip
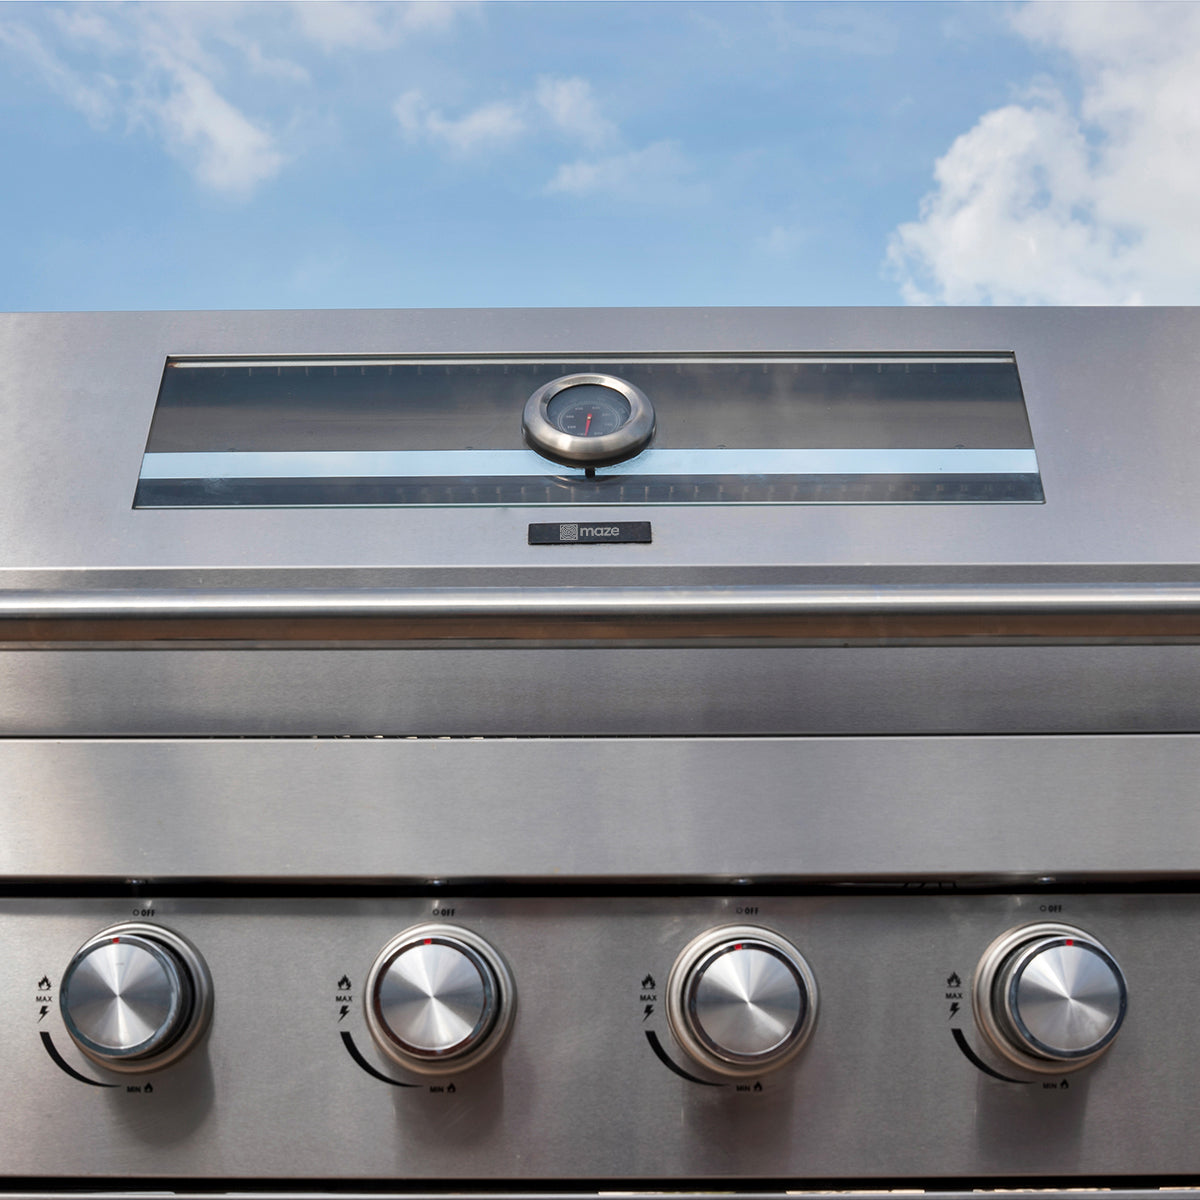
[
  {"x": 606, "y": 616},
  {"x": 664, "y": 358},
  {"x": 883, "y": 1193}
]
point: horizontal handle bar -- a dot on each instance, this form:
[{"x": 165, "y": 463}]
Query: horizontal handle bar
[{"x": 1125, "y": 612}]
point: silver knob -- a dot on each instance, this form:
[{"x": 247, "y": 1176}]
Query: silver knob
[
  {"x": 438, "y": 999},
  {"x": 741, "y": 1000},
  {"x": 135, "y": 997},
  {"x": 1054, "y": 997}
]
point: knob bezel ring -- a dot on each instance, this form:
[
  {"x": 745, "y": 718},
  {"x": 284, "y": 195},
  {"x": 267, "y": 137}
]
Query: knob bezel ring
[
  {"x": 194, "y": 976},
  {"x": 490, "y": 1031},
  {"x": 683, "y": 979},
  {"x": 567, "y": 449},
  {"x": 998, "y": 1019}
]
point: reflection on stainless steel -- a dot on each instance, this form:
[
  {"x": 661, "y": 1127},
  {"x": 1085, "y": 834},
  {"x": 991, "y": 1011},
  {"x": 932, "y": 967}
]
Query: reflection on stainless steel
[
  {"x": 439, "y": 999},
  {"x": 714, "y": 615},
  {"x": 842, "y": 836},
  {"x": 436, "y": 996},
  {"x": 1049, "y": 997},
  {"x": 741, "y": 1000},
  {"x": 1066, "y": 998},
  {"x": 746, "y": 1002},
  {"x": 135, "y": 997},
  {"x": 122, "y": 998}
]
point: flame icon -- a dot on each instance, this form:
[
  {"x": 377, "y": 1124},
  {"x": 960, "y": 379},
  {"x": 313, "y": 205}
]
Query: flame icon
[
  {"x": 44, "y": 983},
  {"x": 344, "y": 984}
]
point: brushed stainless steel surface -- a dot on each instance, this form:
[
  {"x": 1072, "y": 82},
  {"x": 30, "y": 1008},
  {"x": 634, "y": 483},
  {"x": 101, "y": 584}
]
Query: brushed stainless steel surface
[
  {"x": 831, "y": 809},
  {"x": 1064, "y": 997},
  {"x": 741, "y": 1000},
  {"x": 1059, "y": 613},
  {"x": 1068, "y": 1030},
  {"x": 883, "y": 1091},
  {"x": 435, "y": 1000},
  {"x": 79, "y": 390},
  {"x": 124, "y": 997},
  {"x": 173, "y": 1009},
  {"x": 439, "y": 999},
  {"x": 1113, "y": 1193},
  {"x": 745, "y": 1002},
  {"x": 576, "y": 692},
  {"x": 297, "y": 701}
]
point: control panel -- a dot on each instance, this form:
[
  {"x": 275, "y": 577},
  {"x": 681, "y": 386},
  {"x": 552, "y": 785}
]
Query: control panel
[{"x": 827, "y": 1037}]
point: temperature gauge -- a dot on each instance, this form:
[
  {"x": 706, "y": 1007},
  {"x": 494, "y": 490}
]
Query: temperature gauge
[{"x": 588, "y": 420}]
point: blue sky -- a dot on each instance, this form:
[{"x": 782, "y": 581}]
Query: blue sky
[{"x": 423, "y": 155}]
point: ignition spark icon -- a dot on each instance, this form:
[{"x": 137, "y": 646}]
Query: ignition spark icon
[
  {"x": 345, "y": 1010},
  {"x": 953, "y": 1010},
  {"x": 649, "y": 1010},
  {"x": 43, "y": 1011}
]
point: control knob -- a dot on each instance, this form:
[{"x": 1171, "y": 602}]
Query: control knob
[
  {"x": 1050, "y": 997},
  {"x": 439, "y": 999},
  {"x": 741, "y": 1000},
  {"x": 135, "y": 997}
]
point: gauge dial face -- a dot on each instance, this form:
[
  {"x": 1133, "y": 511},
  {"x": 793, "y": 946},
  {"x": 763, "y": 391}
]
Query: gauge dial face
[
  {"x": 588, "y": 420},
  {"x": 588, "y": 410}
]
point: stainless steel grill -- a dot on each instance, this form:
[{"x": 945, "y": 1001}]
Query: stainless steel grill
[{"x": 402, "y": 792}]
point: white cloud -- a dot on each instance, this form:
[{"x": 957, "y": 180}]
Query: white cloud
[
  {"x": 563, "y": 106},
  {"x": 267, "y": 65},
  {"x": 225, "y": 150},
  {"x": 572, "y": 110},
  {"x": 784, "y": 241},
  {"x": 93, "y": 98},
  {"x": 568, "y": 108},
  {"x": 87, "y": 25},
  {"x": 1045, "y": 202},
  {"x": 156, "y": 67},
  {"x": 655, "y": 172},
  {"x": 480, "y": 129}
]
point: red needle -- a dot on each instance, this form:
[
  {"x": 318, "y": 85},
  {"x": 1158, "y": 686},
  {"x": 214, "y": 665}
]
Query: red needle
[{"x": 587, "y": 424}]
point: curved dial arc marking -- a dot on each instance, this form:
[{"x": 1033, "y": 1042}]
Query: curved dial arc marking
[
  {"x": 960, "y": 1039},
  {"x": 356, "y": 1054},
  {"x": 62, "y": 1064},
  {"x": 670, "y": 1064}
]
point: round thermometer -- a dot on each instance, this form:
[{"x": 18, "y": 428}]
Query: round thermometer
[{"x": 588, "y": 420}]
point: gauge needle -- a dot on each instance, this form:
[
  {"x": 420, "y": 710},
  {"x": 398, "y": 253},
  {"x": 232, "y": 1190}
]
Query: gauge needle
[{"x": 587, "y": 424}]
